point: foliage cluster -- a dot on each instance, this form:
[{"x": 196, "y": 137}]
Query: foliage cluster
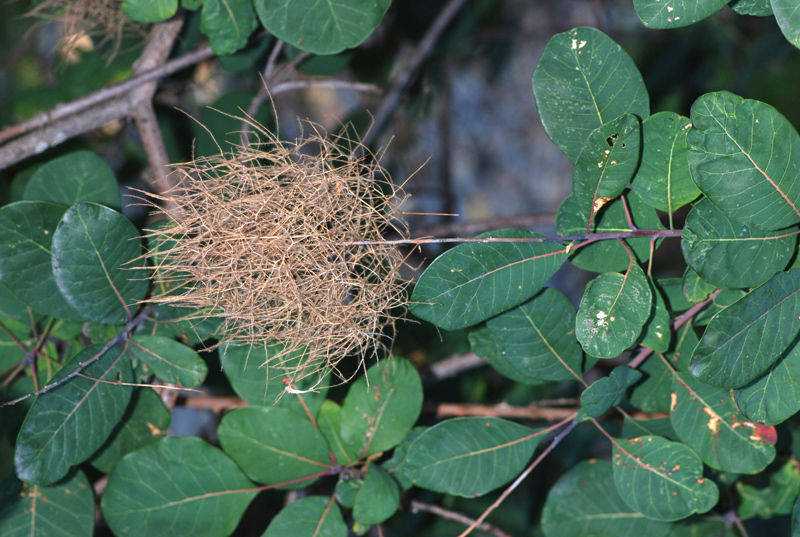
[{"x": 707, "y": 370}]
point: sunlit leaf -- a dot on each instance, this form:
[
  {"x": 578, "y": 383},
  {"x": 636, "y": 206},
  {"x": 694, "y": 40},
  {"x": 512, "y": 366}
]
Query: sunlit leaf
[
  {"x": 706, "y": 419},
  {"x": 66, "y": 425},
  {"x": 745, "y": 157},
  {"x": 742, "y": 341},
  {"x": 584, "y": 80},
  {"x": 663, "y": 480},
  {"x": 228, "y": 24},
  {"x": 585, "y": 501},
  {"x": 475, "y": 281},
  {"x": 613, "y": 310},
  {"x": 175, "y": 484},
  {"x": 469, "y": 456},
  {"x": 149, "y": 10}
]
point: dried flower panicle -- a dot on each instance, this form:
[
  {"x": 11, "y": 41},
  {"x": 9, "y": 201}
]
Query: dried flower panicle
[{"x": 263, "y": 237}]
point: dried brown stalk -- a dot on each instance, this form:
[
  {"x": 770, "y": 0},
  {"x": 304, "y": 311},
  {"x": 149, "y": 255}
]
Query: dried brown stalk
[{"x": 258, "y": 238}]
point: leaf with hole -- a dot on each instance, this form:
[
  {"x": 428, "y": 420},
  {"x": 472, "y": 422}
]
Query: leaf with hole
[
  {"x": 176, "y": 483},
  {"x": 535, "y": 341},
  {"x": 469, "y": 456},
  {"x": 26, "y": 261},
  {"x": 273, "y": 445},
  {"x": 93, "y": 251},
  {"x": 585, "y": 501},
  {"x": 675, "y": 13},
  {"x": 65, "y": 509},
  {"x": 606, "y": 164},
  {"x": 728, "y": 253},
  {"x": 66, "y": 425},
  {"x": 612, "y": 312},
  {"x": 663, "y": 480},
  {"x": 664, "y": 180},
  {"x": 377, "y": 414},
  {"x": 228, "y": 24},
  {"x": 73, "y": 178},
  {"x": 742, "y": 341},
  {"x": 171, "y": 361},
  {"x": 745, "y": 157},
  {"x": 474, "y": 281},
  {"x": 608, "y": 391},
  {"x": 321, "y": 27},
  {"x": 584, "y": 80},
  {"x": 706, "y": 419},
  {"x": 608, "y": 255},
  {"x": 312, "y": 516}
]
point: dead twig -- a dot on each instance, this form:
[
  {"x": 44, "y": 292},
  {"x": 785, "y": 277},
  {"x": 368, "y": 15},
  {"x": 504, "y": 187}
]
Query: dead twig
[{"x": 456, "y": 517}]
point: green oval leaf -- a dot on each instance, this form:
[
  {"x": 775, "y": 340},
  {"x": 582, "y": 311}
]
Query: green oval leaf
[
  {"x": 62, "y": 510},
  {"x": 657, "y": 332},
  {"x": 171, "y": 361},
  {"x": 176, "y": 483},
  {"x": 664, "y": 180},
  {"x": 321, "y": 27},
  {"x": 377, "y": 499},
  {"x": 727, "y": 253},
  {"x": 475, "y": 281},
  {"x": 606, "y": 163},
  {"x": 695, "y": 289},
  {"x": 228, "y": 24},
  {"x": 584, "y": 80},
  {"x": 313, "y": 516},
  {"x": 377, "y": 414},
  {"x": 66, "y": 425},
  {"x": 469, "y": 456},
  {"x": 585, "y": 501},
  {"x": 756, "y": 8},
  {"x": 788, "y": 16},
  {"x": 254, "y": 381},
  {"x": 774, "y": 396},
  {"x": 744, "y": 157},
  {"x": 91, "y": 248},
  {"x": 144, "y": 422},
  {"x": 776, "y": 499},
  {"x": 73, "y": 178},
  {"x": 535, "y": 341},
  {"x": 608, "y": 255},
  {"x": 329, "y": 420},
  {"x": 663, "y": 480},
  {"x": 675, "y": 13},
  {"x": 608, "y": 391},
  {"x": 612, "y": 312},
  {"x": 149, "y": 11},
  {"x": 706, "y": 419},
  {"x": 26, "y": 266},
  {"x": 742, "y": 341},
  {"x": 273, "y": 445}
]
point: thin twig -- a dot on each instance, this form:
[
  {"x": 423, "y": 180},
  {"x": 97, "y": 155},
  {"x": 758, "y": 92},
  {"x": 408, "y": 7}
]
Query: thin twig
[
  {"x": 136, "y": 321},
  {"x": 503, "y": 410},
  {"x": 455, "y": 364},
  {"x": 473, "y": 228},
  {"x": 404, "y": 77},
  {"x": 522, "y": 476},
  {"x": 457, "y": 517}
]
